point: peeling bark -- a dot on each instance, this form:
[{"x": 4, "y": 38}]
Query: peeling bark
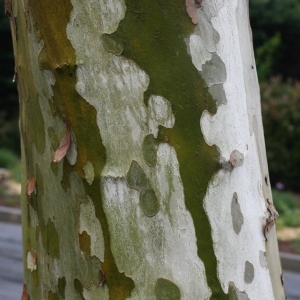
[{"x": 156, "y": 190}]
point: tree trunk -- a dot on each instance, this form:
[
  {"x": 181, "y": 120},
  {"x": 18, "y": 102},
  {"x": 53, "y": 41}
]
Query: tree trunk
[{"x": 144, "y": 167}]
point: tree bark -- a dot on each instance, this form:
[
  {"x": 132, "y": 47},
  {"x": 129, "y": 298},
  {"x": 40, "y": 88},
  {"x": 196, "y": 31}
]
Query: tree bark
[{"x": 144, "y": 167}]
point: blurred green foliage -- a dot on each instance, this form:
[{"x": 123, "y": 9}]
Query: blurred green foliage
[
  {"x": 275, "y": 26},
  {"x": 281, "y": 118},
  {"x": 267, "y": 55},
  {"x": 11, "y": 162},
  {"x": 288, "y": 208}
]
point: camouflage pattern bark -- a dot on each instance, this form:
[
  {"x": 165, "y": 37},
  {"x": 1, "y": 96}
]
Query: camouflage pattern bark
[{"x": 144, "y": 166}]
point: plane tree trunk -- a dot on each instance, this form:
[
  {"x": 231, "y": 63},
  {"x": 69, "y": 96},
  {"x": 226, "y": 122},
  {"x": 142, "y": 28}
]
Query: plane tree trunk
[{"x": 144, "y": 167}]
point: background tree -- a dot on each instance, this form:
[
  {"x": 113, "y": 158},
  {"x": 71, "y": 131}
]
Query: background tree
[
  {"x": 9, "y": 131},
  {"x": 276, "y": 26},
  {"x": 143, "y": 152}
]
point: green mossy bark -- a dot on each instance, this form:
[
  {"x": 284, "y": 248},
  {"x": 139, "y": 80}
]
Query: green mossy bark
[{"x": 152, "y": 34}]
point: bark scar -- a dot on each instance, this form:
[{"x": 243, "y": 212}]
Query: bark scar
[
  {"x": 191, "y": 8},
  {"x": 273, "y": 215}
]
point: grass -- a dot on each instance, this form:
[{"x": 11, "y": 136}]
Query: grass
[{"x": 288, "y": 206}]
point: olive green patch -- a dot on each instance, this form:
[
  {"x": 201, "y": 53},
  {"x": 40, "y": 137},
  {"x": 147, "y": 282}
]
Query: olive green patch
[
  {"x": 50, "y": 239},
  {"x": 52, "y": 296},
  {"x": 62, "y": 286},
  {"x": 54, "y": 168},
  {"x": 53, "y": 138},
  {"x": 111, "y": 45},
  {"x": 79, "y": 288},
  {"x": 150, "y": 150},
  {"x": 48, "y": 231},
  {"x": 36, "y": 123},
  {"x": 85, "y": 242},
  {"x": 35, "y": 277},
  {"x": 166, "y": 290},
  {"x": 136, "y": 178},
  {"x": 149, "y": 203}
]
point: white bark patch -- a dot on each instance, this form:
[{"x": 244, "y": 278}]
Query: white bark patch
[
  {"x": 159, "y": 113},
  {"x": 31, "y": 263},
  {"x": 229, "y": 130},
  {"x": 198, "y": 51},
  {"x": 71, "y": 155},
  {"x": 163, "y": 246},
  {"x": 91, "y": 225},
  {"x": 115, "y": 86}
]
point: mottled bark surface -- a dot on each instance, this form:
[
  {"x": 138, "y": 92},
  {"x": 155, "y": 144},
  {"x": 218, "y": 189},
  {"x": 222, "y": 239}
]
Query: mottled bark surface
[{"x": 143, "y": 150}]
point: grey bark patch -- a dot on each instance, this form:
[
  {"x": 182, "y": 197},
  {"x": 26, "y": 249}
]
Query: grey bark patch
[
  {"x": 214, "y": 71},
  {"x": 235, "y": 294},
  {"x": 218, "y": 94},
  {"x": 166, "y": 290},
  {"x": 149, "y": 203},
  {"x": 236, "y": 158},
  {"x": 226, "y": 165},
  {"x": 236, "y": 214},
  {"x": 136, "y": 178},
  {"x": 263, "y": 259},
  {"x": 150, "y": 150},
  {"x": 111, "y": 45},
  {"x": 209, "y": 35},
  {"x": 249, "y": 272},
  {"x": 71, "y": 155}
]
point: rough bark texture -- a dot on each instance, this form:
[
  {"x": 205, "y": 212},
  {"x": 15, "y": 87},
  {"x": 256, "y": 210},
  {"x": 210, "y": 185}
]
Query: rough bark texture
[{"x": 141, "y": 126}]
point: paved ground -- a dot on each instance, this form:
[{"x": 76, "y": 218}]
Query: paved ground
[{"x": 11, "y": 267}]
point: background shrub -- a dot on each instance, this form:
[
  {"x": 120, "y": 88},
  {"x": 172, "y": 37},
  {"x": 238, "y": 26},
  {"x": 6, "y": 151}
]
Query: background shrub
[{"x": 281, "y": 118}]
